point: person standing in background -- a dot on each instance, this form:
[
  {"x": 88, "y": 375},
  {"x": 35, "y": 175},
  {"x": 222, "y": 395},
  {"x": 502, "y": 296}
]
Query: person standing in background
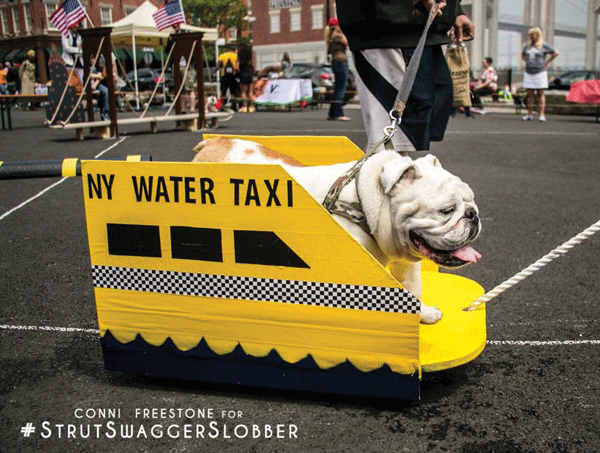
[
  {"x": 229, "y": 71},
  {"x": 12, "y": 77},
  {"x": 535, "y": 78},
  {"x": 27, "y": 77},
  {"x": 246, "y": 78},
  {"x": 337, "y": 44},
  {"x": 3, "y": 81},
  {"x": 382, "y": 35}
]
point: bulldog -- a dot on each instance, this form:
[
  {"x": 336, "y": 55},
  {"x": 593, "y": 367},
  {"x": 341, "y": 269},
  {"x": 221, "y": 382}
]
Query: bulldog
[{"x": 414, "y": 209}]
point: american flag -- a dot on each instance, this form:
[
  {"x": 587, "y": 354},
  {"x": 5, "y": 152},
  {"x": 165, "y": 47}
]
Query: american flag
[
  {"x": 67, "y": 15},
  {"x": 168, "y": 15}
]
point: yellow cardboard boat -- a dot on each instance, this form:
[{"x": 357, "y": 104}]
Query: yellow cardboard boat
[{"x": 233, "y": 273}]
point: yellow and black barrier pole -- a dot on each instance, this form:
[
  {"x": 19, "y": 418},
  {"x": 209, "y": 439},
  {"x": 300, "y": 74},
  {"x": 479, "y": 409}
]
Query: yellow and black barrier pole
[{"x": 65, "y": 168}]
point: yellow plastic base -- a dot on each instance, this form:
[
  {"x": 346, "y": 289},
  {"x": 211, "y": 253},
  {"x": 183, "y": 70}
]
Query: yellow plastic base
[{"x": 461, "y": 335}]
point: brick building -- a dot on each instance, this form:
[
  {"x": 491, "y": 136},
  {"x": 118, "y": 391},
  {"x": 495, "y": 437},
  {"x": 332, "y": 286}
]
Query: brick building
[
  {"x": 293, "y": 26},
  {"x": 24, "y": 25}
]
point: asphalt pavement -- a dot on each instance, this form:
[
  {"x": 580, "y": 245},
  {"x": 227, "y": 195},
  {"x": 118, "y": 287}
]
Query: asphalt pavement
[{"x": 535, "y": 387}]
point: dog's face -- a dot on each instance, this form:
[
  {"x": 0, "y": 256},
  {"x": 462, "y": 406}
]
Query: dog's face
[{"x": 432, "y": 213}]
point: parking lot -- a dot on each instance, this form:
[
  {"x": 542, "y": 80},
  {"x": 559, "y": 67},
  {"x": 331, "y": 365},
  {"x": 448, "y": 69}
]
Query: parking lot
[{"x": 535, "y": 387}]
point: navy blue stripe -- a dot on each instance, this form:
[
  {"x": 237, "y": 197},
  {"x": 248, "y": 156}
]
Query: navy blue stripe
[
  {"x": 240, "y": 369},
  {"x": 378, "y": 85}
]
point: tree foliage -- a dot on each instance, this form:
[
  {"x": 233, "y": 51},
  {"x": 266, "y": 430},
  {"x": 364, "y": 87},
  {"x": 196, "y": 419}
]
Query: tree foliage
[{"x": 222, "y": 14}]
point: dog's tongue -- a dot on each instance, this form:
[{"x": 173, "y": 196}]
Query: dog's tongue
[{"x": 466, "y": 253}]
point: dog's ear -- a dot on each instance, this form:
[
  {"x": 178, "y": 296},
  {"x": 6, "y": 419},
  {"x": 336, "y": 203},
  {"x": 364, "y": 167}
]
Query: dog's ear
[
  {"x": 376, "y": 178},
  {"x": 432, "y": 160},
  {"x": 200, "y": 145},
  {"x": 394, "y": 171}
]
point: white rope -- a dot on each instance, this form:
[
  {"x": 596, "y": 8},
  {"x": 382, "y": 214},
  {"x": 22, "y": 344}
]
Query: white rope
[
  {"x": 561, "y": 250},
  {"x": 128, "y": 82},
  {"x": 161, "y": 77},
  {"x": 187, "y": 67}
]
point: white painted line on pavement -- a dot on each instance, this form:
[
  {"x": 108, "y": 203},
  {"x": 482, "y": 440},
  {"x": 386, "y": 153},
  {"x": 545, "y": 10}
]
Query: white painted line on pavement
[
  {"x": 52, "y": 186},
  {"x": 49, "y": 329},
  {"x": 522, "y": 133},
  {"x": 109, "y": 148},
  {"x": 490, "y": 342},
  {"x": 39, "y": 194},
  {"x": 543, "y": 343}
]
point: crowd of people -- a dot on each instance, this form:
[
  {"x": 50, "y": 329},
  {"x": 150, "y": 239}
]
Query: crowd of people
[
  {"x": 381, "y": 44},
  {"x": 10, "y": 82},
  {"x": 19, "y": 78}
]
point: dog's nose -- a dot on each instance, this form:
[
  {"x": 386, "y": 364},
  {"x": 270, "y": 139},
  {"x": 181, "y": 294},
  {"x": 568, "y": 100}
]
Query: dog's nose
[{"x": 470, "y": 213}]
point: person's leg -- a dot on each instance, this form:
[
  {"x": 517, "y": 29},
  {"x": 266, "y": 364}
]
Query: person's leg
[
  {"x": 340, "y": 71},
  {"x": 333, "y": 112},
  {"x": 530, "y": 102},
  {"x": 104, "y": 107},
  {"x": 379, "y": 76},
  {"x": 430, "y": 114},
  {"x": 542, "y": 104},
  {"x": 477, "y": 98},
  {"x": 251, "y": 97},
  {"x": 243, "y": 97},
  {"x": 223, "y": 86}
]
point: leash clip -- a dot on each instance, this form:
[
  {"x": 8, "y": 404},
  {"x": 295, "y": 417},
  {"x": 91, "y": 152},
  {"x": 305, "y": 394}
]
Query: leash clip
[{"x": 390, "y": 130}]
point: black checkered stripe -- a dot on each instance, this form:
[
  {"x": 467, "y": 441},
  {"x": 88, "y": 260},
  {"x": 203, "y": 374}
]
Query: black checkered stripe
[{"x": 373, "y": 298}]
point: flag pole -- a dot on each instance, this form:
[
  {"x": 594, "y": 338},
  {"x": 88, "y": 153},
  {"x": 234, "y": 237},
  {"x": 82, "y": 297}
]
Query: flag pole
[{"x": 88, "y": 17}]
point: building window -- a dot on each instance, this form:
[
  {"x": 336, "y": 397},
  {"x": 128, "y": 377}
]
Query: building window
[
  {"x": 106, "y": 15},
  {"x": 295, "y": 19},
  {"x": 16, "y": 21},
  {"x": 129, "y": 10},
  {"x": 275, "y": 23},
  {"x": 233, "y": 34},
  {"x": 317, "y": 17},
  {"x": 4, "y": 18},
  {"x": 50, "y": 8},
  {"x": 28, "y": 22}
]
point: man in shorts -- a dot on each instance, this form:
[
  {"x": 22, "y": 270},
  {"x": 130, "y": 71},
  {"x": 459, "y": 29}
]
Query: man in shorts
[{"x": 382, "y": 39}]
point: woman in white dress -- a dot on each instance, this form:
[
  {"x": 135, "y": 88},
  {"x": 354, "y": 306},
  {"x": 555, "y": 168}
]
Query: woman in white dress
[{"x": 535, "y": 78}]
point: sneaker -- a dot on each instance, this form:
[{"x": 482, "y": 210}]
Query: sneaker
[
  {"x": 478, "y": 110},
  {"x": 526, "y": 118},
  {"x": 542, "y": 118}
]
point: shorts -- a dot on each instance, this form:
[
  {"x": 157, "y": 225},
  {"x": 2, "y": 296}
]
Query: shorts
[
  {"x": 380, "y": 73},
  {"x": 537, "y": 81},
  {"x": 246, "y": 79}
]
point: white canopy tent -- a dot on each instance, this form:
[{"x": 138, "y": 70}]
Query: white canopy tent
[{"x": 139, "y": 29}]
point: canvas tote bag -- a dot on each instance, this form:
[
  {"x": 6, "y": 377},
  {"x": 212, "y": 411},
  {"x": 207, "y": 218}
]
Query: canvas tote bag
[{"x": 458, "y": 63}]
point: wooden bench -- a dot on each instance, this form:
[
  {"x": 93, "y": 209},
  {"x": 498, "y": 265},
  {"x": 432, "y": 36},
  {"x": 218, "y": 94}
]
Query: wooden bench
[
  {"x": 186, "y": 121},
  {"x": 8, "y": 101}
]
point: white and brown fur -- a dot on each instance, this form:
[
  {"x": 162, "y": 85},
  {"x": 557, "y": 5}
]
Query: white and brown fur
[{"x": 376, "y": 181}]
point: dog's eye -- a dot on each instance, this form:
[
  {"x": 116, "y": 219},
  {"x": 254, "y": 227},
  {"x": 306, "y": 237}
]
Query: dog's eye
[{"x": 447, "y": 211}]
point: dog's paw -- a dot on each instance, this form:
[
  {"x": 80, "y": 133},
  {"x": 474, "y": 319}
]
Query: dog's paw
[{"x": 430, "y": 315}]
